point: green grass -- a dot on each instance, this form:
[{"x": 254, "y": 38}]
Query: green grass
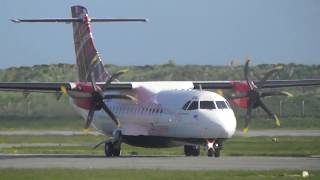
[
  {"x": 238, "y": 146},
  {"x": 53, "y": 174},
  {"x": 41, "y": 123},
  {"x": 286, "y": 123},
  {"x": 76, "y": 139},
  {"x": 76, "y": 123},
  {"x": 264, "y": 146}
]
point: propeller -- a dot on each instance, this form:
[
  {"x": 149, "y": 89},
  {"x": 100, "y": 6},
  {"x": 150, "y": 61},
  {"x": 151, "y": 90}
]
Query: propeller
[
  {"x": 97, "y": 97},
  {"x": 255, "y": 95}
]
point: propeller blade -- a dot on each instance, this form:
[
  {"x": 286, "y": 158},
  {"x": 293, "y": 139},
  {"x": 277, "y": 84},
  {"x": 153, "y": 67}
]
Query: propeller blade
[
  {"x": 268, "y": 74},
  {"x": 64, "y": 90},
  {"x": 246, "y": 75},
  {"x": 220, "y": 92},
  {"x": 90, "y": 117},
  {"x": 111, "y": 115},
  {"x": 248, "y": 117},
  {"x": 93, "y": 81},
  {"x": 270, "y": 113},
  {"x": 276, "y": 93},
  {"x": 119, "y": 96},
  {"x": 115, "y": 76}
]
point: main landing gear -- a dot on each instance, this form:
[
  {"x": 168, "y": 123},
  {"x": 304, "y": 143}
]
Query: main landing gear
[
  {"x": 190, "y": 150},
  {"x": 112, "y": 147}
]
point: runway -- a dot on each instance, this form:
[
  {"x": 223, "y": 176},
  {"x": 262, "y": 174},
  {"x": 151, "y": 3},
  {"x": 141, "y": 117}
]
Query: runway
[{"x": 159, "y": 162}]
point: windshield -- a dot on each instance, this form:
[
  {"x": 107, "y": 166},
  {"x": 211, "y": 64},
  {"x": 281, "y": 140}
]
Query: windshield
[
  {"x": 221, "y": 105},
  {"x": 186, "y": 105},
  {"x": 207, "y": 105},
  {"x": 194, "y": 105}
]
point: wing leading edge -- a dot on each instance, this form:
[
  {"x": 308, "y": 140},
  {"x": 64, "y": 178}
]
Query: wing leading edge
[
  {"x": 267, "y": 84},
  {"x": 56, "y": 87},
  {"x": 52, "y": 87}
]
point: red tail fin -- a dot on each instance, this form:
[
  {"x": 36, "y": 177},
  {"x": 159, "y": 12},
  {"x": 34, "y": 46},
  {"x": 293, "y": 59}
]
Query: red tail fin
[{"x": 86, "y": 53}]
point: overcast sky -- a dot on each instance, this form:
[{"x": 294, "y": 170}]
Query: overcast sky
[{"x": 187, "y": 31}]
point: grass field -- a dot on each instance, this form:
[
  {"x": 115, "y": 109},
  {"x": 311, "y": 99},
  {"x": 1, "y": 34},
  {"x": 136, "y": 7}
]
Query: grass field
[
  {"x": 53, "y": 174},
  {"x": 41, "y": 123},
  {"x": 76, "y": 123},
  {"x": 237, "y": 146}
]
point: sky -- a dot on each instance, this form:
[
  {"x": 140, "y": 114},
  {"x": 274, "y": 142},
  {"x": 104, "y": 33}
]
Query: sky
[{"x": 212, "y": 32}]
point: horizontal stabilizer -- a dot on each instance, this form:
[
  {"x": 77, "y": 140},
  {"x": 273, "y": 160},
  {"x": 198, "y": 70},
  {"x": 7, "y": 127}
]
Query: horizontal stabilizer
[{"x": 70, "y": 20}]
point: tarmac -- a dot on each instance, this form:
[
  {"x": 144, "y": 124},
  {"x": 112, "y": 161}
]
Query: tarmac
[
  {"x": 40, "y": 161},
  {"x": 159, "y": 162}
]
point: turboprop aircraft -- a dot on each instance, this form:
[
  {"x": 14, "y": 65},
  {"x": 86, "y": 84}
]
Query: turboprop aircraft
[{"x": 153, "y": 114}]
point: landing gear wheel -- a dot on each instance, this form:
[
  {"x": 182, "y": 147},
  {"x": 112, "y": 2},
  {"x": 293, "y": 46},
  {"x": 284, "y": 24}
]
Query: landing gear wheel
[
  {"x": 196, "y": 151},
  {"x": 116, "y": 149},
  {"x": 210, "y": 152},
  {"x": 217, "y": 153},
  {"x": 116, "y": 152},
  {"x": 191, "y": 150},
  {"x": 187, "y": 150},
  {"x": 108, "y": 149}
]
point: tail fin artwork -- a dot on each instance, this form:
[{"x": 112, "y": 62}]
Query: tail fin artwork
[
  {"x": 86, "y": 53},
  {"x": 88, "y": 59}
]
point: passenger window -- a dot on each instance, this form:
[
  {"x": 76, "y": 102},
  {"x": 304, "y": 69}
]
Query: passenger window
[
  {"x": 207, "y": 105},
  {"x": 186, "y": 105},
  {"x": 194, "y": 105},
  {"x": 221, "y": 105}
]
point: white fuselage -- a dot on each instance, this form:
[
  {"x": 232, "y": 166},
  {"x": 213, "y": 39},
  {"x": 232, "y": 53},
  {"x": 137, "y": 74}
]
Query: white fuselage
[{"x": 159, "y": 112}]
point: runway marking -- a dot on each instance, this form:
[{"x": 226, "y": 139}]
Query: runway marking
[{"x": 159, "y": 162}]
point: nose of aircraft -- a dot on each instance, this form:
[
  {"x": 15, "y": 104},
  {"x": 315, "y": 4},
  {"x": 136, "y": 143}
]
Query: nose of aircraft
[
  {"x": 222, "y": 124},
  {"x": 228, "y": 124}
]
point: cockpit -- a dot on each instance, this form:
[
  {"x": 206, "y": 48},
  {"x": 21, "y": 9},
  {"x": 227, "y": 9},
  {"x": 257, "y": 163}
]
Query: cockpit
[{"x": 209, "y": 105}]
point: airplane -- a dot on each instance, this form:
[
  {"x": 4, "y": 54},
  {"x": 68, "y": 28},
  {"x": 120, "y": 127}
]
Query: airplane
[{"x": 153, "y": 114}]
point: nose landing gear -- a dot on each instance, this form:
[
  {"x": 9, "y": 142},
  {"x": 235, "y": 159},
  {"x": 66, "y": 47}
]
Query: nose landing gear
[{"x": 214, "y": 147}]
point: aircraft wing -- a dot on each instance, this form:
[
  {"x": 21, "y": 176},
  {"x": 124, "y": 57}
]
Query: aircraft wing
[
  {"x": 267, "y": 84},
  {"x": 56, "y": 87},
  {"x": 52, "y": 87},
  {"x": 33, "y": 86}
]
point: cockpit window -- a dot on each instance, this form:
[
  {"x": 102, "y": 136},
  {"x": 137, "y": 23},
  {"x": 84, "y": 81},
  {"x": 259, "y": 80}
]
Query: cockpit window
[
  {"x": 221, "y": 105},
  {"x": 207, "y": 105},
  {"x": 185, "y": 106},
  {"x": 229, "y": 106},
  {"x": 193, "y": 105}
]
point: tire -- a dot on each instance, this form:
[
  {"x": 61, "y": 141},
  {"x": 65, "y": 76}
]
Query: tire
[
  {"x": 116, "y": 152},
  {"x": 187, "y": 150},
  {"x": 217, "y": 153},
  {"x": 108, "y": 149},
  {"x": 210, "y": 152},
  {"x": 195, "y": 150}
]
